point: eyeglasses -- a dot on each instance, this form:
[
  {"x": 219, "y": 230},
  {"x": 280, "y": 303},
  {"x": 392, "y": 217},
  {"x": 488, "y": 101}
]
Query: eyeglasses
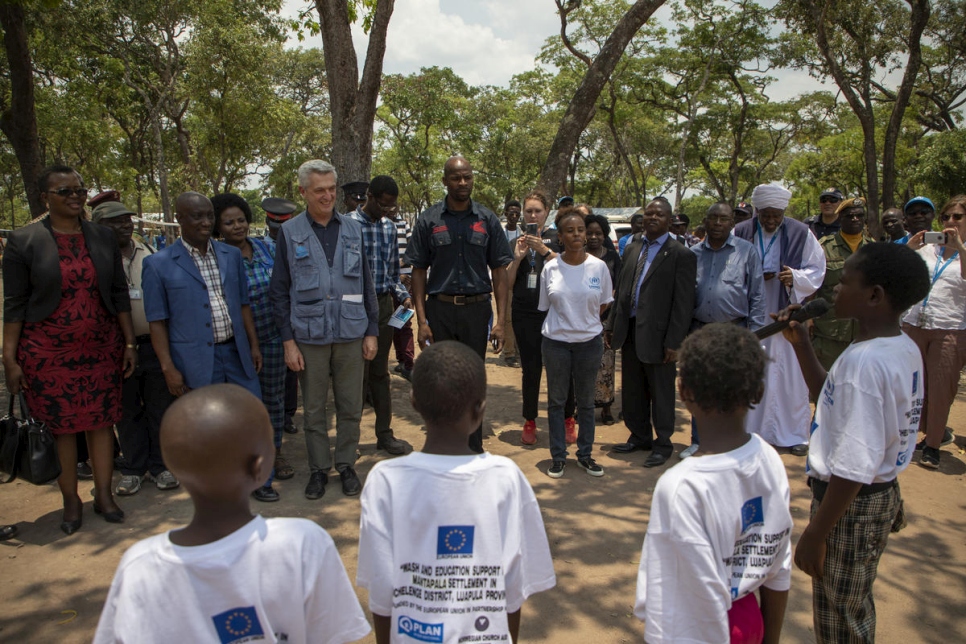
[
  {"x": 67, "y": 192},
  {"x": 956, "y": 216},
  {"x": 829, "y": 200}
]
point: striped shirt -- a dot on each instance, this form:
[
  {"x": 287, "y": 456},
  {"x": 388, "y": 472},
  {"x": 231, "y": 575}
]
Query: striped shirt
[
  {"x": 208, "y": 267},
  {"x": 402, "y": 236},
  {"x": 380, "y": 239}
]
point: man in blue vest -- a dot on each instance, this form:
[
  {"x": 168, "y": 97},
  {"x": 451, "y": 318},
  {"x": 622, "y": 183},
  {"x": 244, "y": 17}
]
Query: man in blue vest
[{"x": 328, "y": 316}]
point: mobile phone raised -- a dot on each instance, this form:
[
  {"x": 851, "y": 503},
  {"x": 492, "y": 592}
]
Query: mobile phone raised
[{"x": 532, "y": 230}]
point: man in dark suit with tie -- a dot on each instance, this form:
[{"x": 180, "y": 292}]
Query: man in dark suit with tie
[{"x": 652, "y": 314}]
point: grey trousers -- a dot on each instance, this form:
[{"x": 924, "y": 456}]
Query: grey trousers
[{"x": 345, "y": 364}]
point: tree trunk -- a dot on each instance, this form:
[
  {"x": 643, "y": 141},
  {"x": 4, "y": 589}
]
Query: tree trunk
[
  {"x": 919, "y": 16},
  {"x": 19, "y": 120},
  {"x": 352, "y": 101},
  {"x": 582, "y": 105}
]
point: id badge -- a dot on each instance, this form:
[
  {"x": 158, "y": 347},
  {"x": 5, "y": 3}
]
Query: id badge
[
  {"x": 923, "y": 318},
  {"x": 532, "y": 280},
  {"x": 134, "y": 293}
]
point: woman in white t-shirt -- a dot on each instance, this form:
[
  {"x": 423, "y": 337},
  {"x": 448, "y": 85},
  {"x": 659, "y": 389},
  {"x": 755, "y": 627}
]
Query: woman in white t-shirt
[
  {"x": 575, "y": 290},
  {"x": 938, "y": 325}
]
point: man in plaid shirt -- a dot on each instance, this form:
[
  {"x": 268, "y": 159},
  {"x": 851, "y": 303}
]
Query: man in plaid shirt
[{"x": 379, "y": 235}]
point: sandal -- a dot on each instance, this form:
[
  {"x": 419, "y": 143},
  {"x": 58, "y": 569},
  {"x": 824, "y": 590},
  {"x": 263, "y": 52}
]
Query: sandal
[{"x": 283, "y": 471}]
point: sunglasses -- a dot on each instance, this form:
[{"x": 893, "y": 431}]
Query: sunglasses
[
  {"x": 955, "y": 217},
  {"x": 829, "y": 200},
  {"x": 67, "y": 192}
]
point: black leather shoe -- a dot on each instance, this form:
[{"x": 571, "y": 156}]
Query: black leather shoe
[
  {"x": 70, "y": 527},
  {"x": 394, "y": 446},
  {"x": 266, "y": 494},
  {"x": 655, "y": 460},
  {"x": 290, "y": 428},
  {"x": 627, "y": 448},
  {"x": 117, "y": 516},
  {"x": 7, "y": 532},
  {"x": 351, "y": 485},
  {"x": 316, "y": 487}
]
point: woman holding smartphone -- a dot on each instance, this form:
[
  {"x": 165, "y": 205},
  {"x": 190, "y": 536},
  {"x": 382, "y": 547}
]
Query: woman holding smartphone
[
  {"x": 530, "y": 253},
  {"x": 938, "y": 324},
  {"x": 575, "y": 291}
]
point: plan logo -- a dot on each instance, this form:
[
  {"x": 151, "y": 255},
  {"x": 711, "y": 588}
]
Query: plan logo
[
  {"x": 454, "y": 540},
  {"x": 420, "y": 631}
]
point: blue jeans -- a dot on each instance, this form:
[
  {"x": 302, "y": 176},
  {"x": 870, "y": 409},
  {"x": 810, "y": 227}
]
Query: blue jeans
[{"x": 576, "y": 361}]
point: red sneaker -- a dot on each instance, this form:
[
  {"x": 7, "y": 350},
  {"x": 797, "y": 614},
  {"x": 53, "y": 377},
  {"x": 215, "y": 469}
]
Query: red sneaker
[
  {"x": 529, "y": 436},
  {"x": 570, "y": 425}
]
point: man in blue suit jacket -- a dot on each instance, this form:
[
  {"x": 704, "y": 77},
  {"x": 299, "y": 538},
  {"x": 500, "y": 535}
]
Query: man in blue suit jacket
[{"x": 196, "y": 302}]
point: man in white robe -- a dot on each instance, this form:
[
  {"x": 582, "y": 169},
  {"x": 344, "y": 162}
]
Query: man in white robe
[{"x": 794, "y": 267}]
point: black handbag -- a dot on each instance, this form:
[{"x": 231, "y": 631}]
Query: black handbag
[{"x": 28, "y": 449}]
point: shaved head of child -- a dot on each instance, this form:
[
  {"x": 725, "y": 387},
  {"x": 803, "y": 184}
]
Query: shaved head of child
[
  {"x": 218, "y": 441},
  {"x": 449, "y": 390}
]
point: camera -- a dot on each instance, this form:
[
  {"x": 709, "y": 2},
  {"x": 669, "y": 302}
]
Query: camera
[
  {"x": 934, "y": 238},
  {"x": 532, "y": 230}
]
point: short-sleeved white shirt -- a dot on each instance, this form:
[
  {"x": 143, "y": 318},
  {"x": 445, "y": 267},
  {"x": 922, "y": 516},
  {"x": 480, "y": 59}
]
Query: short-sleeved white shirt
[
  {"x": 449, "y": 545},
  {"x": 867, "y": 416},
  {"x": 946, "y": 304},
  {"x": 572, "y": 297},
  {"x": 275, "y": 580},
  {"x": 720, "y": 527}
]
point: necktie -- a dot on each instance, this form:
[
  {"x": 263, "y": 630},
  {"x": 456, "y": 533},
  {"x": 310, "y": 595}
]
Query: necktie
[{"x": 641, "y": 261}]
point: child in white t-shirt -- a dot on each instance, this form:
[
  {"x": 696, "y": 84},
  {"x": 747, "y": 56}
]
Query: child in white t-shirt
[
  {"x": 229, "y": 576},
  {"x": 451, "y": 543},
  {"x": 867, "y": 411},
  {"x": 720, "y": 525}
]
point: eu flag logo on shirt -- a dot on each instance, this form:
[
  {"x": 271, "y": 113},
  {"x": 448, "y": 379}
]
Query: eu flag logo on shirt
[
  {"x": 454, "y": 540},
  {"x": 237, "y": 624},
  {"x": 752, "y": 514}
]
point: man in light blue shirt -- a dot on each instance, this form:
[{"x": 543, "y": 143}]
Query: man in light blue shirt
[
  {"x": 637, "y": 226},
  {"x": 730, "y": 282}
]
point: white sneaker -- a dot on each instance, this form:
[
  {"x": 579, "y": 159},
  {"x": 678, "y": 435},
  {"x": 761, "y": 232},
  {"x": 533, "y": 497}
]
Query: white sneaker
[
  {"x": 166, "y": 481},
  {"x": 128, "y": 485},
  {"x": 689, "y": 451}
]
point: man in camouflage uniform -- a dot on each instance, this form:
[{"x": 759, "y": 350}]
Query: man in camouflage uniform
[{"x": 831, "y": 335}]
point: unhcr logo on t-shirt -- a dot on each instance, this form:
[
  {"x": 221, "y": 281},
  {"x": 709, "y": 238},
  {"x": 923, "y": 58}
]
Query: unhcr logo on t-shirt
[
  {"x": 419, "y": 630},
  {"x": 593, "y": 283},
  {"x": 454, "y": 541}
]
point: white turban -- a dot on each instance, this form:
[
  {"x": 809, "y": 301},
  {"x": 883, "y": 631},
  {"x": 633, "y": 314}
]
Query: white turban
[{"x": 770, "y": 195}]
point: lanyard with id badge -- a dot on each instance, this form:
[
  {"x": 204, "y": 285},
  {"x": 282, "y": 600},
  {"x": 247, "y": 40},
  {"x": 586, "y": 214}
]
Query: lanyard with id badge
[
  {"x": 532, "y": 277},
  {"x": 937, "y": 272}
]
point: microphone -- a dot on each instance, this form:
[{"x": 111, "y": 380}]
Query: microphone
[{"x": 814, "y": 309}]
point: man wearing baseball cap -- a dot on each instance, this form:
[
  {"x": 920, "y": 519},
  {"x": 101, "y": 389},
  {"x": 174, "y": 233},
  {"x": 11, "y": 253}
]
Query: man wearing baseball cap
[
  {"x": 144, "y": 396},
  {"x": 918, "y": 214},
  {"x": 827, "y": 221},
  {"x": 743, "y": 212}
]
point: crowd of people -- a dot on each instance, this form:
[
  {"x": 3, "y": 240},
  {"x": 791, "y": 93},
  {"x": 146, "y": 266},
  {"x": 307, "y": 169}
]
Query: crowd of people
[{"x": 101, "y": 331}]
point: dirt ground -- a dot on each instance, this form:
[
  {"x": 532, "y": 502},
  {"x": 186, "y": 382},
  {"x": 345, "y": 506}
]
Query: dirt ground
[{"x": 52, "y": 586}]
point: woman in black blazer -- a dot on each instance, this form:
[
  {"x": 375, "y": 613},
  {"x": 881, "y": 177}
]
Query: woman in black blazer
[{"x": 68, "y": 335}]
